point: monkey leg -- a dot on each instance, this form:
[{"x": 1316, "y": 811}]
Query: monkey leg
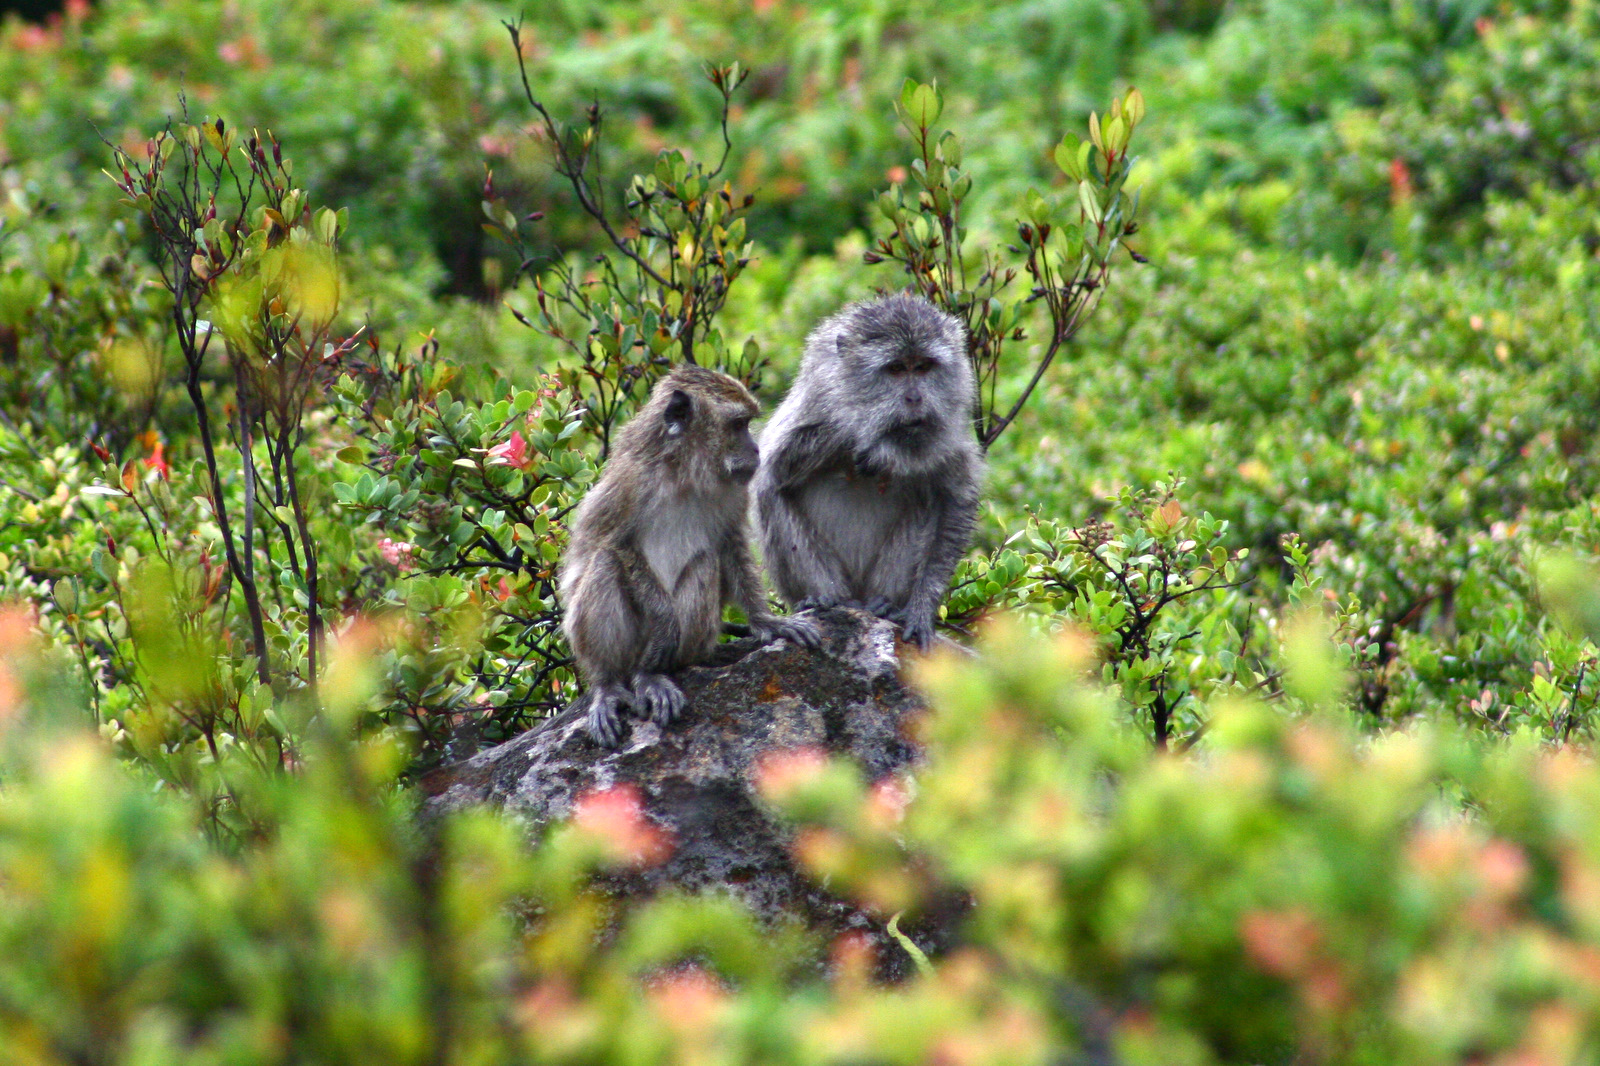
[{"x": 907, "y": 594}]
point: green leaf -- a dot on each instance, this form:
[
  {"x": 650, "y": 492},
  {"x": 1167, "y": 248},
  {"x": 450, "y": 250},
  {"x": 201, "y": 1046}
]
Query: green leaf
[
  {"x": 1133, "y": 107},
  {"x": 1067, "y": 157},
  {"x": 1089, "y": 201},
  {"x": 926, "y": 105}
]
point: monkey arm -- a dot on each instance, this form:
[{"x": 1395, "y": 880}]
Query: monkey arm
[
  {"x": 655, "y": 695},
  {"x": 798, "y": 456},
  {"x": 802, "y": 566},
  {"x": 741, "y": 584},
  {"x": 653, "y": 607},
  {"x": 623, "y": 633},
  {"x": 948, "y": 538}
]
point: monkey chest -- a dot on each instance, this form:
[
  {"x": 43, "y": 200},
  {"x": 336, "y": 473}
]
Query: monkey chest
[
  {"x": 680, "y": 544},
  {"x": 860, "y": 517}
]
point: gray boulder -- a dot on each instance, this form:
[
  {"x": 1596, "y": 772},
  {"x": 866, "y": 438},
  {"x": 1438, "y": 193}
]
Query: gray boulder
[{"x": 695, "y": 776}]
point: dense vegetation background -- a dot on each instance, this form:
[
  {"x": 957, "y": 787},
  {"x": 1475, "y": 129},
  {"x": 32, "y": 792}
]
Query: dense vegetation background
[{"x": 1282, "y": 758}]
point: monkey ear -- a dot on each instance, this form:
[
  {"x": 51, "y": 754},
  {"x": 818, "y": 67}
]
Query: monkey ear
[{"x": 679, "y": 410}]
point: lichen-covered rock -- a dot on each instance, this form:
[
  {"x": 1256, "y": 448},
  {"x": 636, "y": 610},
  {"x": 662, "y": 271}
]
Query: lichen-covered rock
[{"x": 695, "y": 776}]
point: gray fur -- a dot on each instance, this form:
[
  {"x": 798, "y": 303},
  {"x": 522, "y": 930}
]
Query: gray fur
[
  {"x": 868, "y": 487},
  {"x": 660, "y": 545}
]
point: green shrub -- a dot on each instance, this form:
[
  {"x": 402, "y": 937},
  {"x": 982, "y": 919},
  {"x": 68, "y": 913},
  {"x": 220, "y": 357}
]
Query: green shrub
[
  {"x": 1310, "y": 501},
  {"x": 1288, "y": 890}
]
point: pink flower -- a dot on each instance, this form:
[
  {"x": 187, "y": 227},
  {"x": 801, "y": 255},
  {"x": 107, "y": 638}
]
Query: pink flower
[
  {"x": 397, "y": 553},
  {"x": 615, "y": 817},
  {"x": 782, "y": 775},
  {"x": 513, "y": 452}
]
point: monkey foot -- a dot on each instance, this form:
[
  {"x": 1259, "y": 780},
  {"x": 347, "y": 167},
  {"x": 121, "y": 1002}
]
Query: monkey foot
[
  {"x": 657, "y": 698},
  {"x": 919, "y": 633},
  {"x": 913, "y": 630},
  {"x": 605, "y": 716},
  {"x": 884, "y": 607}
]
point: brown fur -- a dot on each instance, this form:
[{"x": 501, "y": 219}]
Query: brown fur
[{"x": 660, "y": 545}]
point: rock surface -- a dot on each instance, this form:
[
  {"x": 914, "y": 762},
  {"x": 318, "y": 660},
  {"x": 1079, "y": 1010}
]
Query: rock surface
[{"x": 695, "y": 776}]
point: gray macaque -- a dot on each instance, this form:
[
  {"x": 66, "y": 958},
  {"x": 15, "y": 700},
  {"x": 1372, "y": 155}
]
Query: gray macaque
[
  {"x": 868, "y": 488},
  {"x": 660, "y": 545}
]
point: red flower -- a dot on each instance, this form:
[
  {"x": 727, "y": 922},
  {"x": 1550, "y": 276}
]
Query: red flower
[
  {"x": 1401, "y": 188},
  {"x": 157, "y": 461},
  {"x": 513, "y": 452}
]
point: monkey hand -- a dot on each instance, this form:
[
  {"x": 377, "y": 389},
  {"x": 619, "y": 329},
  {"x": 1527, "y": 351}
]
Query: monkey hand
[
  {"x": 867, "y": 464},
  {"x": 801, "y": 631},
  {"x": 605, "y": 717},
  {"x": 656, "y": 697}
]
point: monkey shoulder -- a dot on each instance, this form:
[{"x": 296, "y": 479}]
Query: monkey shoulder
[{"x": 964, "y": 464}]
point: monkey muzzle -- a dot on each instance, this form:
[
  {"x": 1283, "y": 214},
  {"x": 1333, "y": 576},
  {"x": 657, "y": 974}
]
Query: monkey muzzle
[{"x": 912, "y": 434}]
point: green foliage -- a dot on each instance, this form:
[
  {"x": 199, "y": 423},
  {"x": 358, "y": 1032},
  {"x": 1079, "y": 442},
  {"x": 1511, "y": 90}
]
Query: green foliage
[
  {"x": 1309, "y": 502},
  {"x": 928, "y": 237},
  {"x": 1299, "y": 891},
  {"x": 472, "y": 495}
]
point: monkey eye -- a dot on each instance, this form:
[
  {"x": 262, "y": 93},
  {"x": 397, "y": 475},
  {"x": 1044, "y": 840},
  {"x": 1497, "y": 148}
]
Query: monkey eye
[
  {"x": 922, "y": 366},
  {"x": 740, "y": 423},
  {"x": 894, "y": 369}
]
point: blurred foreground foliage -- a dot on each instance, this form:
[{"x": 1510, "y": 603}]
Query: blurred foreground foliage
[
  {"x": 1298, "y": 893},
  {"x": 1304, "y": 513},
  {"x": 1359, "y": 363}
]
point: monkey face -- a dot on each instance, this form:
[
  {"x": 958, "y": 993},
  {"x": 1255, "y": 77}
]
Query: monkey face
[
  {"x": 740, "y": 458},
  {"x": 710, "y": 424},
  {"x": 906, "y": 370}
]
